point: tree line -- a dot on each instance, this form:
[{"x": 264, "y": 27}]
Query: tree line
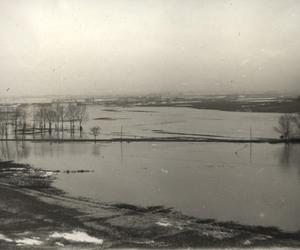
[
  {"x": 42, "y": 119},
  {"x": 58, "y": 118}
]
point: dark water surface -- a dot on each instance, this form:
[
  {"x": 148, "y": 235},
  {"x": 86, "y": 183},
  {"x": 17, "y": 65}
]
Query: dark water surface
[{"x": 257, "y": 185}]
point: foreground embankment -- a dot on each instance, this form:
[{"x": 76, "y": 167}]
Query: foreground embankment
[{"x": 49, "y": 219}]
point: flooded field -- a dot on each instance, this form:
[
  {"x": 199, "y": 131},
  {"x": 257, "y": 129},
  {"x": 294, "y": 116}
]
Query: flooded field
[
  {"x": 254, "y": 184},
  {"x": 166, "y": 121},
  {"x": 142, "y": 122},
  {"x": 227, "y": 182}
]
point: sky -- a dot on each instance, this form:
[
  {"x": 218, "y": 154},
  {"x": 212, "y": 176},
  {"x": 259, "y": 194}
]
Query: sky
[{"x": 97, "y": 47}]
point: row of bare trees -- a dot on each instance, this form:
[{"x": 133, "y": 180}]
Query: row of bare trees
[
  {"x": 42, "y": 119},
  {"x": 289, "y": 126},
  {"x": 5, "y": 120},
  {"x": 56, "y": 116}
]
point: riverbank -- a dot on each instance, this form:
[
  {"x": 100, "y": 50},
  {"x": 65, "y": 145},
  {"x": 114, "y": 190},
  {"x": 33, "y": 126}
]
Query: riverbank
[
  {"x": 31, "y": 218},
  {"x": 47, "y": 218},
  {"x": 161, "y": 139}
]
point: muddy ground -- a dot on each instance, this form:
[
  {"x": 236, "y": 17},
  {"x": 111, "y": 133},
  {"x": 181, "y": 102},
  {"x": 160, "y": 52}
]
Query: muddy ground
[{"x": 47, "y": 218}]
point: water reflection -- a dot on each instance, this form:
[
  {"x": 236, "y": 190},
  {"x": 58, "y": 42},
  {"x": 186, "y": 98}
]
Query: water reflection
[
  {"x": 96, "y": 150},
  {"x": 14, "y": 150},
  {"x": 22, "y": 150},
  {"x": 176, "y": 175},
  {"x": 289, "y": 157},
  {"x": 19, "y": 150}
]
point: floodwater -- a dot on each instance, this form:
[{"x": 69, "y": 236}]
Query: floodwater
[
  {"x": 138, "y": 122},
  {"x": 167, "y": 121},
  {"x": 256, "y": 184}
]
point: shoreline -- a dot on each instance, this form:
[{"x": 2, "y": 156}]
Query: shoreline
[
  {"x": 36, "y": 214},
  {"x": 162, "y": 139}
]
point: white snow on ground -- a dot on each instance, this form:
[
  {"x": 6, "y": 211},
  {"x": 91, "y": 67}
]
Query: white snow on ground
[
  {"x": 3, "y": 237},
  {"x": 28, "y": 242},
  {"x": 47, "y": 174},
  {"x": 163, "y": 223},
  {"x": 218, "y": 234},
  {"x": 77, "y": 236},
  {"x": 22, "y": 242},
  {"x": 59, "y": 244}
]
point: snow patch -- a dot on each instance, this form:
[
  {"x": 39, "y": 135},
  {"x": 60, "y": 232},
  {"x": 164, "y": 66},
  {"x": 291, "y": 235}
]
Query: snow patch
[
  {"x": 59, "y": 244},
  {"x": 3, "y": 237},
  {"x": 77, "y": 236},
  {"x": 48, "y": 174},
  {"x": 218, "y": 234},
  {"x": 247, "y": 242},
  {"x": 28, "y": 242},
  {"x": 163, "y": 223}
]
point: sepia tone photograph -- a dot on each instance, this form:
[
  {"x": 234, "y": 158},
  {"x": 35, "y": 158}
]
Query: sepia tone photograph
[{"x": 149, "y": 124}]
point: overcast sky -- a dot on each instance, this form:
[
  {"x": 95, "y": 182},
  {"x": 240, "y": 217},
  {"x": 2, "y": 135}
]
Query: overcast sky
[{"x": 149, "y": 46}]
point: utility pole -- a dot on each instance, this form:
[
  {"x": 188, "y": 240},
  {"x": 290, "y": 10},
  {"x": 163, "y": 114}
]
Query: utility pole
[
  {"x": 121, "y": 134},
  {"x": 251, "y": 145}
]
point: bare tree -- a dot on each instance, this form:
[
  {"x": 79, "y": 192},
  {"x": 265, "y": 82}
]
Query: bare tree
[
  {"x": 72, "y": 115},
  {"x": 50, "y": 117},
  {"x": 296, "y": 124},
  {"x": 23, "y": 120},
  {"x": 2, "y": 134},
  {"x": 41, "y": 116},
  {"x": 285, "y": 126},
  {"x": 38, "y": 119},
  {"x": 95, "y": 132},
  {"x": 2, "y": 130},
  {"x": 2, "y": 125},
  {"x": 82, "y": 116},
  {"x": 5, "y": 118},
  {"x": 61, "y": 115},
  {"x": 16, "y": 118}
]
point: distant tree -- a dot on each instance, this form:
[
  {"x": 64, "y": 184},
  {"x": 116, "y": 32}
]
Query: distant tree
[
  {"x": 2, "y": 123},
  {"x": 82, "y": 116},
  {"x": 2, "y": 130},
  {"x": 37, "y": 118},
  {"x": 16, "y": 118},
  {"x": 95, "y": 132},
  {"x": 72, "y": 114},
  {"x": 50, "y": 117},
  {"x": 61, "y": 114},
  {"x": 296, "y": 124},
  {"x": 5, "y": 119},
  {"x": 285, "y": 126},
  {"x": 23, "y": 120},
  {"x": 41, "y": 115}
]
